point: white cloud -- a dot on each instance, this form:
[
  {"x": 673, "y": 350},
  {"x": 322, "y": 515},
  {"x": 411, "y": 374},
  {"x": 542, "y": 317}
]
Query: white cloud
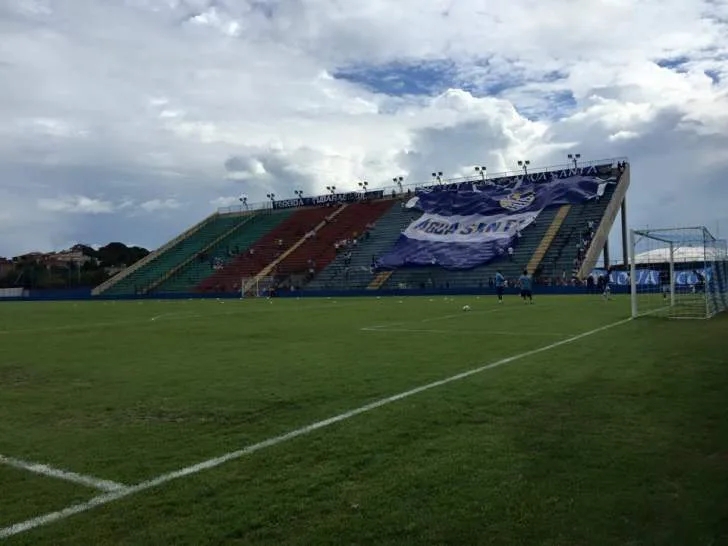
[
  {"x": 221, "y": 202},
  {"x": 76, "y": 204},
  {"x": 197, "y": 100},
  {"x": 155, "y": 205}
]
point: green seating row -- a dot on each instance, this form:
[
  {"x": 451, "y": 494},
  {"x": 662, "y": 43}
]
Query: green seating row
[
  {"x": 237, "y": 242},
  {"x": 139, "y": 280}
]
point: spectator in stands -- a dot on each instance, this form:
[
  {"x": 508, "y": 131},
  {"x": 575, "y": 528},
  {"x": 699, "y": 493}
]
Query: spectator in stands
[{"x": 510, "y": 253}]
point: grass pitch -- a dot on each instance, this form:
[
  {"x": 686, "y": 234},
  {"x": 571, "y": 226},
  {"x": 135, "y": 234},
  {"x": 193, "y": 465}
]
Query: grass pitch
[{"x": 620, "y": 437}]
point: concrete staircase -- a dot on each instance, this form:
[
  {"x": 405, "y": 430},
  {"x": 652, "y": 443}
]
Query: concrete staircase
[
  {"x": 379, "y": 280},
  {"x": 176, "y": 269},
  {"x": 272, "y": 265},
  {"x": 548, "y": 238}
]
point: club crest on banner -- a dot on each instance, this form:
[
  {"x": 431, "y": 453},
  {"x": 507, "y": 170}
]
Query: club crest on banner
[{"x": 517, "y": 200}]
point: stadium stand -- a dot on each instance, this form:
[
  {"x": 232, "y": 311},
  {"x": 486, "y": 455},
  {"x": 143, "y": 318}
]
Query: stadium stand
[
  {"x": 296, "y": 246},
  {"x": 198, "y": 267},
  {"x": 511, "y": 268},
  {"x": 140, "y": 279},
  {"x": 271, "y": 246},
  {"x": 558, "y": 263},
  {"x": 318, "y": 252},
  {"x": 358, "y": 273},
  {"x": 558, "y": 255}
]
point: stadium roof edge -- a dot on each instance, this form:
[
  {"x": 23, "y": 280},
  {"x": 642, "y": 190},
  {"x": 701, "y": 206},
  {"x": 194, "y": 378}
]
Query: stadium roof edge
[{"x": 387, "y": 188}]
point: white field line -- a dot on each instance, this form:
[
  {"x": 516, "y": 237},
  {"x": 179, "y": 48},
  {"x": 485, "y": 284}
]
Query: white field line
[
  {"x": 212, "y": 463},
  {"x": 45, "y": 470},
  {"x": 482, "y": 332},
  {"x": 180, "y": 314}
]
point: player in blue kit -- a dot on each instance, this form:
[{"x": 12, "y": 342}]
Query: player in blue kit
[
  {"x": 526, "y": 283},
  {"x": 500, "y": 285}
]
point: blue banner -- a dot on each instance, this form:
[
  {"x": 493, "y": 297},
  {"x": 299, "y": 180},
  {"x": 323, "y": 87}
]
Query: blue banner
[
  {"x": 468, "y": 227},
  {"x": 651, "y": 277}
]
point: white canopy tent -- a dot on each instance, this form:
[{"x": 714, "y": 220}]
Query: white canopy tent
[{"x": 683, "y": 254}]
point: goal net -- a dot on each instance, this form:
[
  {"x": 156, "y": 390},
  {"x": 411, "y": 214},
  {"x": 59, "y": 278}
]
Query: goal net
[
  {"x": 256, "y": 287},
  {"x": 679, "y": 273}
]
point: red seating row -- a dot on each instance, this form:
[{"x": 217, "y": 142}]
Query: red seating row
[
  {"x": 351, "y": 222},
  {"x": 267, "y": 249}
]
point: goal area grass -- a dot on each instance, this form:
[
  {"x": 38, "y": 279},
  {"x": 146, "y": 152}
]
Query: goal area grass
[{"x": 579, "y": 434}]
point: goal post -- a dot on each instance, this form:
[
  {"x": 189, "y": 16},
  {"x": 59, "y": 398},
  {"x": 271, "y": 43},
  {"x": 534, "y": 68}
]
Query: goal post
[
  {"x": 679, "y": 273},
  {"x": 256, "y": 287}
]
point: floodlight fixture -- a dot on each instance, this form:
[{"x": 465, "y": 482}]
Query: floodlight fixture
[{"x": 482, "y": 171}]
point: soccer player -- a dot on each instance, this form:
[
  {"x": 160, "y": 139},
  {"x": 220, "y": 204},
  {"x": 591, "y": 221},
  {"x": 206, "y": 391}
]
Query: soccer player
[
  {"x": 500, "y": 284},
  {"x": 526, "y": 283},
  {"x": 607, "y": 294}
]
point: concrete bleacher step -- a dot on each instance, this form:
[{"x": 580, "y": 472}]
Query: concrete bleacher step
[
  {"x": 265, "y": 250},
  {"x": 237, "y": 227},
  {"x": 354, "y": 224},
  {"x": 355, "y": 273},
  {"x": 548, "y": 238},
  {"x": 152, "y": 256},
  {"x": 139, "y": 280},
  {"x": 226, "y": 250}
]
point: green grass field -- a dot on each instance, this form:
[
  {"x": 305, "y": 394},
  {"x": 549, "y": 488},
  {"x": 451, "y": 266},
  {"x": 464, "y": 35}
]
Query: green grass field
[{"x": 619, "y": 437}]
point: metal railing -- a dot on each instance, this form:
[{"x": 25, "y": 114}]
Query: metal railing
[{"x": 388, "y": 189}]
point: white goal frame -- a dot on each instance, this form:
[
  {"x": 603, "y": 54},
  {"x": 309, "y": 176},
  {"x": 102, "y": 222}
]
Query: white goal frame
[
  {"x": 256, "y": 287},
  {"x": 688, "y": 253}
]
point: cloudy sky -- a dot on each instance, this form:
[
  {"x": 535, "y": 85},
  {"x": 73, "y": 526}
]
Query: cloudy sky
[{"x": 131, "y": 119}]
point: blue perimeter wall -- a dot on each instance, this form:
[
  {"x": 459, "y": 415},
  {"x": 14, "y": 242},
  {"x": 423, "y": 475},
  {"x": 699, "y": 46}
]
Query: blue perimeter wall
[{"x": 85, "y": 294}]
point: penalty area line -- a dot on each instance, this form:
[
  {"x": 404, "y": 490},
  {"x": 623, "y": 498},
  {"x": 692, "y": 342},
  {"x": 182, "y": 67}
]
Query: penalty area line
[
  {"x": 45, "y": 470},
  {"x": 111, "y": 496}
]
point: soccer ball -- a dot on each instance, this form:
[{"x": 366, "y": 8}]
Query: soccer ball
[{"x": 466, "y": 308}]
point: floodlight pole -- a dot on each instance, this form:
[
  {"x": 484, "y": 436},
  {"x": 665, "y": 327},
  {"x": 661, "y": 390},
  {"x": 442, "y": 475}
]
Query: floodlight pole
[
  {"x": 633, "y": 272},
  {"x": 625, "y": 253},
  {"x": 672, "y": 274}
]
